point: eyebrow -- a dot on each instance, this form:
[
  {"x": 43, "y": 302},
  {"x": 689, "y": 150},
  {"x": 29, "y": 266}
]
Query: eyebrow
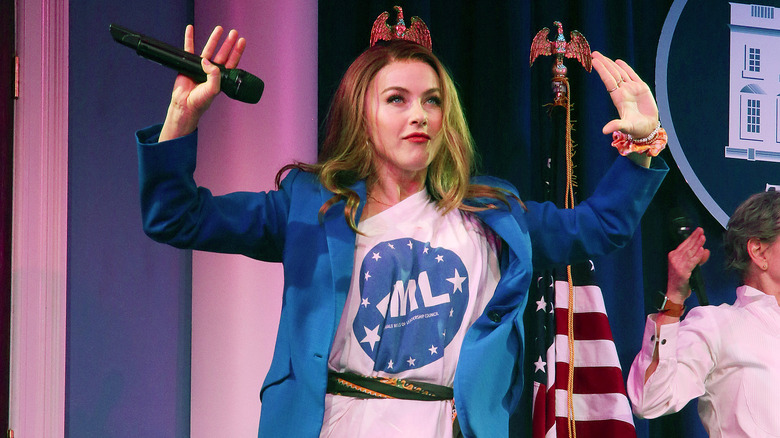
[{"x": 404, "y": 90}]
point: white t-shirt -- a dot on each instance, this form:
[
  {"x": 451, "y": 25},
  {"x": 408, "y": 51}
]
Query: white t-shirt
[{"x": 420, "y": 280}]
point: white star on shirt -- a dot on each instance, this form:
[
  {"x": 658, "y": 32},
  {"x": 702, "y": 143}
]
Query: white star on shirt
[
  {"x": 425, "y": 250},
  {"x": 539, "y": 364},
  {"x": 409, "y": 244},
  {"x": 457, "y": 282},
  {"x": 390, "y": 365},
  {"x": 367, "y": 276},
  {"x": 372, "y": 336},
  {"x": 411, "y": 361},
  {"x": 433, "y": 350},
  {"x": 439, "y": 258},
  {"x": 376, "y": 256},
  {"x": 541, "y": 304},
  {"x": 391, "y": 246},
  {"x": 365, "y": 302}
]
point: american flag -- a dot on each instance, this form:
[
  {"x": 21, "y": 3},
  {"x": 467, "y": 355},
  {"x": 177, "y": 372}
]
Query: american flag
[{"x": 600, "y": 404}]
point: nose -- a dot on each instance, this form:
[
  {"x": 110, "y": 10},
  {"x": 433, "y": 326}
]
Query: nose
[{"x": 419, "y": 115}]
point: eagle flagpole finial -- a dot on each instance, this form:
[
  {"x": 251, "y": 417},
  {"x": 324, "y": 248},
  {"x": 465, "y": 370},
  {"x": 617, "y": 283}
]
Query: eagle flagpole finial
[{"x": 577, "y": 48}]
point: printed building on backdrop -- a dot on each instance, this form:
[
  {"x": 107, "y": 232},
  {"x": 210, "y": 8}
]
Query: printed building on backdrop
[{"x": 754, "y": 83}]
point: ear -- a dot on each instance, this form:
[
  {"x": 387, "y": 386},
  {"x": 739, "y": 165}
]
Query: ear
[{"x": 757, "y": 251}]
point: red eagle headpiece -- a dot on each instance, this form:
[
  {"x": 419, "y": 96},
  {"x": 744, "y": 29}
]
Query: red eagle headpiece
[{"x": 417, "y": 32}]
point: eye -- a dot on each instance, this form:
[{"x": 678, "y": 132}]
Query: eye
[
  {"x": 395, "y": 98},
  {"x": 433, "y": 100}
]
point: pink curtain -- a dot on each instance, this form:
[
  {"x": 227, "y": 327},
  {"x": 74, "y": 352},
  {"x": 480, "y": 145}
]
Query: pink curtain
[{"x": 235, "y": 300}]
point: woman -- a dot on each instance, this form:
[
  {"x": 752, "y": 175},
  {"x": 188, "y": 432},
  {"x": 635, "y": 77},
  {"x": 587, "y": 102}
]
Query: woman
[
  {"x": 727, "y": 356},
  {"x": 398, "y": 264}
]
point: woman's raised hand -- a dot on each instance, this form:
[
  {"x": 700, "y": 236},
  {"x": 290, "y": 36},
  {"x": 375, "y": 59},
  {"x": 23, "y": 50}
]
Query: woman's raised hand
[
  {"x": 682, "y": 260},
  {"x": 631, "y": 96},
  {"x": 190, "y": 99}
]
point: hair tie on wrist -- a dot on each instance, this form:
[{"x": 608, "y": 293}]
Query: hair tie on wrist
[{"x": 651, "y": 145}]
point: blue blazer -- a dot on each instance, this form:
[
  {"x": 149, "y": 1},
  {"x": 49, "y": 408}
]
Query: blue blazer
[{"x": 283, "y": 226}]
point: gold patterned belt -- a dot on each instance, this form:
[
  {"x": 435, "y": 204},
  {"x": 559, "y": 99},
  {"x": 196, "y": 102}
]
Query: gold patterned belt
[{"x": 358, "y": 386}]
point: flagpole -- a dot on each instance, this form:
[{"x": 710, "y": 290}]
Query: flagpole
[{"x": 577, "y": 48}]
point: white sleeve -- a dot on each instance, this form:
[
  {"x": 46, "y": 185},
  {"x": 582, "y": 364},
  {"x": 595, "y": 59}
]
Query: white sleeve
[{"x": 685, "y": 359}]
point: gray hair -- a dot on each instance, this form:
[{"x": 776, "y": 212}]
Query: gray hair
[{"x": 758, "y": 217}]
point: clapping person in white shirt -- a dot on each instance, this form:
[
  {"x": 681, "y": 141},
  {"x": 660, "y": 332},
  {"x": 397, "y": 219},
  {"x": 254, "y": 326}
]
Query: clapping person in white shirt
[{"x": 726, "y": 356}]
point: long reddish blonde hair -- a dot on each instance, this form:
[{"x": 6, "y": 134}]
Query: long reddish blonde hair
[{"x": 347, "y": 156}]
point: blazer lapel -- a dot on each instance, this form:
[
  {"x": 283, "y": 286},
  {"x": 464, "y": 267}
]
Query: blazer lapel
[
  {"x": 341, "y": 245},
  {"x": 513, "y": 231}
]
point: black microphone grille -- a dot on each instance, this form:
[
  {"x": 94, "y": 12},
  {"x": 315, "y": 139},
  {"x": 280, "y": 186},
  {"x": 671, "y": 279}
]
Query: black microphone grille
[
  {"x": 242, "y": 86},
  {"x": 681, "y": 226}
]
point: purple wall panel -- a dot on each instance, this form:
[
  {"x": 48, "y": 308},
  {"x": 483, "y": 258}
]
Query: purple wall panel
[{"x": 128, "y": 327}]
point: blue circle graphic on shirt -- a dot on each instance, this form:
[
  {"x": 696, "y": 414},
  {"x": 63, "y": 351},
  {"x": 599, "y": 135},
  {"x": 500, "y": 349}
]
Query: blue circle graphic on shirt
[{"x": 413, "y": 299}]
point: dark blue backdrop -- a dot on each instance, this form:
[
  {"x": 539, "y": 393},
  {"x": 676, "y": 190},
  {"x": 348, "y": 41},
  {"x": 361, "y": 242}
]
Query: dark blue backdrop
[{"x": 486, "y": 47}]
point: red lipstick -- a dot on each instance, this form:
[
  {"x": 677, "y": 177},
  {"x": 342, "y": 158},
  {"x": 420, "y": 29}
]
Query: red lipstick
[{"x": 418, "y": 137}]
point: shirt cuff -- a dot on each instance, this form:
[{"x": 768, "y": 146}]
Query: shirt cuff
[{"x": 667, "y": 340}]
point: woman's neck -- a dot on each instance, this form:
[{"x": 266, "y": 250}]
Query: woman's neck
[
  {"x": 393, "y": 186},
  {"x": 763, "y": 281},
  {"x": 383, "y": 193}
]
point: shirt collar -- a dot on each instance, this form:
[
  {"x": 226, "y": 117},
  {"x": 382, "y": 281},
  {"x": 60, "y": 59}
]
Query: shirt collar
[{"x": 747, "y": 295}]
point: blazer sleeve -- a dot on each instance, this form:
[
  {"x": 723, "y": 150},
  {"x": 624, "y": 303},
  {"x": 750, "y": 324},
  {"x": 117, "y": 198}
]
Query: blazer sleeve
[
  {"x": 600, "y": 224},
  {"x": 176, "y": 211}
]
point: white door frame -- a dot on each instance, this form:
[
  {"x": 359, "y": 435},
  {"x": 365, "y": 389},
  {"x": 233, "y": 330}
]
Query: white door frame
[{"x": 39, "y": 231}]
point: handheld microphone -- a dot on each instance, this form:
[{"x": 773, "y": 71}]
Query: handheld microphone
[
  {"x": 235, "y": 83},
  {"x": 681, "y": 229}
]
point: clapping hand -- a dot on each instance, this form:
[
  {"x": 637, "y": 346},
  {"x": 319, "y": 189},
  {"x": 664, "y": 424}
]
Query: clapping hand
[{"x": 682, "y": 260}]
